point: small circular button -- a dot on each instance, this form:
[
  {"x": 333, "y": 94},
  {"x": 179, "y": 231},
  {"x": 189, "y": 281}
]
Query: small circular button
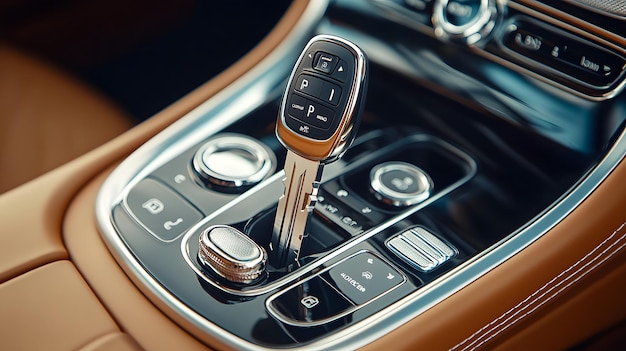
[
  {"x": 400, "y": 184},
  {"x": 233, "y": 162},
  {"x": 467, "y": 21}
]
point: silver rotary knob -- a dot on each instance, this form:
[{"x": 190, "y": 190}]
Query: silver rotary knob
[
  {"x": 233, "y": 162},
  {"x": 400, "y": 184},
  {"x": 232, "y": 255},
  {"x": 466, "y": 21}
]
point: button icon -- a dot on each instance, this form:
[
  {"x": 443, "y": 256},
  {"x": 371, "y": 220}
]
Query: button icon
[
  {"x": 169, "y": 224},
  {"x": 154, "y": 206},
  {"x": 342, "y": 193},
  {"x": 179, "y": 178},
  {"x": 367, "y": 275},
  {"x": 310, "y": 301},
  {"x": 390, "y": 276}
]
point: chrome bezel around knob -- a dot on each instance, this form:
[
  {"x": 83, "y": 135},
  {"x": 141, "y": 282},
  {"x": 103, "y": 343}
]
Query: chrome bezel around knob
[
  {"x": 234, "y": 151},
  {"x": 471, "y": 33},
  {"x": 389, "y": 196}
]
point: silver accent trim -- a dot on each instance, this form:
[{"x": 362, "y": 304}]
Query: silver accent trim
[
  {"x": 420, "y": 248},
  {"x": 396, "y": 198},
  {"x": 293, "y": 212},
  {"x": 477, "y": 29},
  {"x": 249, "y": 162},
  {"x": 239, "y": 99}
]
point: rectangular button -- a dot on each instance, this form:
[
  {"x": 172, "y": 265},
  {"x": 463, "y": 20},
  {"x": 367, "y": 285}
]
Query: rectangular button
[
  {"x": 318, "y": 115},
  {"x": 296, "y": 106},
  {"x": 330, "y": 93},
  {"x": 311, "y": 302},
  {"x": 309, "y": 85},
  {"x": 325, "y": 62},
  {"x": 363, "y": 277},
  {"x": 161, "y": 210}
]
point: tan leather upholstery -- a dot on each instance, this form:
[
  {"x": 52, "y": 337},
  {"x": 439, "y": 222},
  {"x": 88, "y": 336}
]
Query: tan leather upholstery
[
  {"x": 52, "y": 305},
  {"x": 47, "y": 118}
]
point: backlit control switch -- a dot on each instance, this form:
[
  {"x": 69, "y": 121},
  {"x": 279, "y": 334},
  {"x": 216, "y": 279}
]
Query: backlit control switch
[
  {"x": 421, "y": 249},
  {"x": 317, "y": 122},
  {"x": 363, "y": 277}
]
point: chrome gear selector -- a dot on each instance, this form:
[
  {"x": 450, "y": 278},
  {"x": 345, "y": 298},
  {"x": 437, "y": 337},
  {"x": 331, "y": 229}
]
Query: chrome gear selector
[{"x": 318, "y": 118}]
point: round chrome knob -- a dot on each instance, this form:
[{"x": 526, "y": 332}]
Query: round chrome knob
[
  {"x": 400, "y": 184},
  {"x": 231, "y": 254},
  {"x": 467, "y": 21},
  {"x": 233, "y": 162}
]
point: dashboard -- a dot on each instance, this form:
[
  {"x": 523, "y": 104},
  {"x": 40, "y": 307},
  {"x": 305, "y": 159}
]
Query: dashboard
[{"x": 479, "y": 206}]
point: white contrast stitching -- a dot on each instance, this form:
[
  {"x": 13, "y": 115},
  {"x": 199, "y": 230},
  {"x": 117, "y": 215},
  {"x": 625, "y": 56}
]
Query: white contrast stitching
[{"x": 503, "y": 319}]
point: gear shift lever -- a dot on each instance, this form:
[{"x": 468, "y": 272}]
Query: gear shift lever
[{"x": 318, "y": 118}]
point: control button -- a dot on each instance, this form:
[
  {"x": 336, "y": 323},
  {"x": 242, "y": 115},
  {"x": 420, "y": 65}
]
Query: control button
[
  {"x": 160, "y": 210},
  {"x": 467, "y": 21},
  {"x": 400, "y": 184},
  {"x": 340, "y": 215},
  {"x": 341, "y": 72},
  {"x": 232, "y": 254},
  {"x": 421, "y": 249},
  {"x": 330, "y": 93},
  {"x": 312, "y": 302},
  {"x": 363, "y": 277},
  {"x": 309, "y": 85},
  {"x": 318, "y": 115},
  {"x": 296, "y": 106},
  {"x": 565, "y": 53},
  {"x": 233, "y": 163},
  {"x": 325, "y": 62},
  {"x": 318, "y": 88},
  {"x": 461, "y": 12}
]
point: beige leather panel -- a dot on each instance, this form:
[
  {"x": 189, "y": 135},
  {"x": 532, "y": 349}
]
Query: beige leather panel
[
  {"x": 575, "y": 318},
  {"x": 47, "y": 118},
  {"x": 484, "y": 304},
  {"x": 51, "y": 308},
  {"x": 116, "y": 341},
  {"x": 31, "y": 221}
]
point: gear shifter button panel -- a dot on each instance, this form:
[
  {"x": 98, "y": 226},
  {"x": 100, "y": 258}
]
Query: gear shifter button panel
[{"x": 364, "y": 277}]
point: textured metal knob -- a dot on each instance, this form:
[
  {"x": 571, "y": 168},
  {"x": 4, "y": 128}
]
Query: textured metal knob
[
  {"x": 400, "y": 184},
  {"x": 231, "y": 254},
  {"x": 233, "y": 162}
]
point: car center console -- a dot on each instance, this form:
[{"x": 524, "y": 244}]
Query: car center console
[{"x": 486, "y": 121}]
